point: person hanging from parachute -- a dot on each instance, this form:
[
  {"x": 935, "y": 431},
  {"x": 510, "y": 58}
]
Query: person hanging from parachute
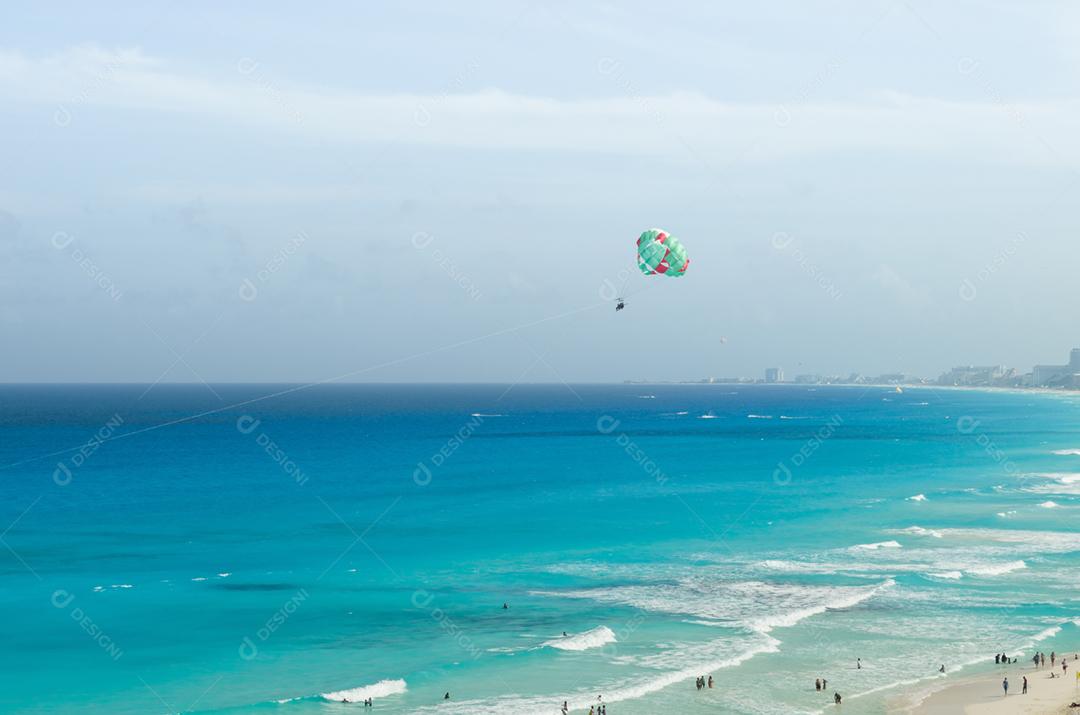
[{"x": 659, "y": 253}]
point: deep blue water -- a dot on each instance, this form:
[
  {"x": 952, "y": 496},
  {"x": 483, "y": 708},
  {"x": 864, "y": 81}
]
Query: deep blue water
[{"x": 224, "y": 549}]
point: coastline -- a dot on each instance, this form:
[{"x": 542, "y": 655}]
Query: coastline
[{"x": 983, "y": 694}]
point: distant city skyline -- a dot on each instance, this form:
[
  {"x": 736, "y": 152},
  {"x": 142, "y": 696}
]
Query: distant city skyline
[{"x": 1063, "y": 376}]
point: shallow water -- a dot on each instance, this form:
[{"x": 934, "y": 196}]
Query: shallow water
[{"x": 361, "y": 540}]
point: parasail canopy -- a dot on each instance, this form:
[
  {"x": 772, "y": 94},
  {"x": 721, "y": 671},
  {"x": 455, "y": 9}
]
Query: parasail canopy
[{"x": 660, "y": 252}]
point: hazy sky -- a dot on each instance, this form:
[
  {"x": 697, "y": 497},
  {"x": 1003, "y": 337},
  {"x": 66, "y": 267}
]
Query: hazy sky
[{"x": 438, "y": 191}]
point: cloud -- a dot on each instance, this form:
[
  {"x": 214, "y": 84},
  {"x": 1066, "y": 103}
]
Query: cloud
[{"x": 681, "y": 126}]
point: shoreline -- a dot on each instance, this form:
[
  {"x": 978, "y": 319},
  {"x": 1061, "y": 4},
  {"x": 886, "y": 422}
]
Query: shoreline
[{"x": 983, "y": 694}]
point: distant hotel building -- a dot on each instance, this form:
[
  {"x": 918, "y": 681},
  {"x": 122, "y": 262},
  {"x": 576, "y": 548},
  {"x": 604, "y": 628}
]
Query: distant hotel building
[
  {"x": 774, "y": 374},
  {"x": 1058, "y": 375},
  {"x": 976, "y": 376}
]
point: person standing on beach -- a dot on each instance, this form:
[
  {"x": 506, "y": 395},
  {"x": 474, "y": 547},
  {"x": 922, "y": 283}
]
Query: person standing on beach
[
  {"x": 1023, "y": 690},
  {"x": 824, "y": 684},
  {"x": 1064, "y": 667},
  {"x": 1042, "y": 658},
  {"x": 858, "y": 664},
  {"x": 1035, "y": 659},
  {"x": 710, "y": 679},
  {"x": 1052, "y": 656},
  {"x": 817, "y": 683},
  {"x": 1005, "y": 685}
]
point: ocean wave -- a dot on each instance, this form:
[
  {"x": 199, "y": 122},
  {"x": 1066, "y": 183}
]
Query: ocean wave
[
  {"x": 996, "y": 569},
  {"x": 592, "y": 638},
  {"x": 1067, "y": 451},
  {"x": 756, "y": 605},
  {"x": 1049, "y": 505},
  {"x": 646, "y": 397},
  {"x": 917, "y": 497},
  {"x": 1050, "y": 542},
  {"x": 1055, "y": 489},
  {"x": 950, "y": 575},
  {"x": 1062, "y": 477},
  {"x": 619, "y": 692},
  {"x": 482, "y": 414},
  {"x": 381, "y": 689},
  {"x": 708, "y": 416},
  {"x": 919, "y": 531},
  {"x": 759, "y": 417},
  {"x": 790, "y": 417},
  {"x": 878, "y": 545},
  {"x": 849, "y": 600}
]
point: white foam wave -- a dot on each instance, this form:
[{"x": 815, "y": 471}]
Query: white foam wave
[
  {"x": 483, "y": 414},
  {"x": 584, "y": 700},
  {"x": 996, "y": 569},
  {"x": 917, "y": 497},
  {"x": 708, "y": 416},
  {"x": 878, "y": 545},
  {"x": 381, "y": 689},
  {"x": 789, "y": 417},
  {"x": 646, "y": 397},
  {"x": 592, "y": 638},
  {"x": 1062, "y": 477},
  {"x": 791, "y": 618},
  {"x": 951, "y": 575},
  {"x": 1067, "y": 451},
  {"x": 1049, "y": 505},
  {"x": 759, "y": 417},
  {"x": 919, "y": 531},
  {"x": 756, "y": 605}
]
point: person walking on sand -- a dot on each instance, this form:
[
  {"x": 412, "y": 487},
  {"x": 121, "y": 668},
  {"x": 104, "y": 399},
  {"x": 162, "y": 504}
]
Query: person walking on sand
[
  {"x": 1052, "y": 656},
  {"x": 1023, "y": 688},
  {"x": 1064, "y": 667},
  {"x": 1005, "y": 685}
]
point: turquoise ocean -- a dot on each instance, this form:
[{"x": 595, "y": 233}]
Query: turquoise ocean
[{"x": 268, "y": 548}]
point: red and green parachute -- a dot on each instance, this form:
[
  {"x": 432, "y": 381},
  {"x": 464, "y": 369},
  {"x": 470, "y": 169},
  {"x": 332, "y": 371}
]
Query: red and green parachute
[{"x": 660, "y": 252}]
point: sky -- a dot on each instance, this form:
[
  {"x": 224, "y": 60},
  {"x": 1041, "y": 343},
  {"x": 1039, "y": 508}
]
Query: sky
[{"x": 421, "y": 191}]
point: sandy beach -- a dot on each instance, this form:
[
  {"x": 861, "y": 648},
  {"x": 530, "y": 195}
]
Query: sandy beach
[{"x": 983, "y": 695}]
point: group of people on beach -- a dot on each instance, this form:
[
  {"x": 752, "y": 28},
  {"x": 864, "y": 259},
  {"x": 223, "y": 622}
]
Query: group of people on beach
[{"x": 702, "y": 683}]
